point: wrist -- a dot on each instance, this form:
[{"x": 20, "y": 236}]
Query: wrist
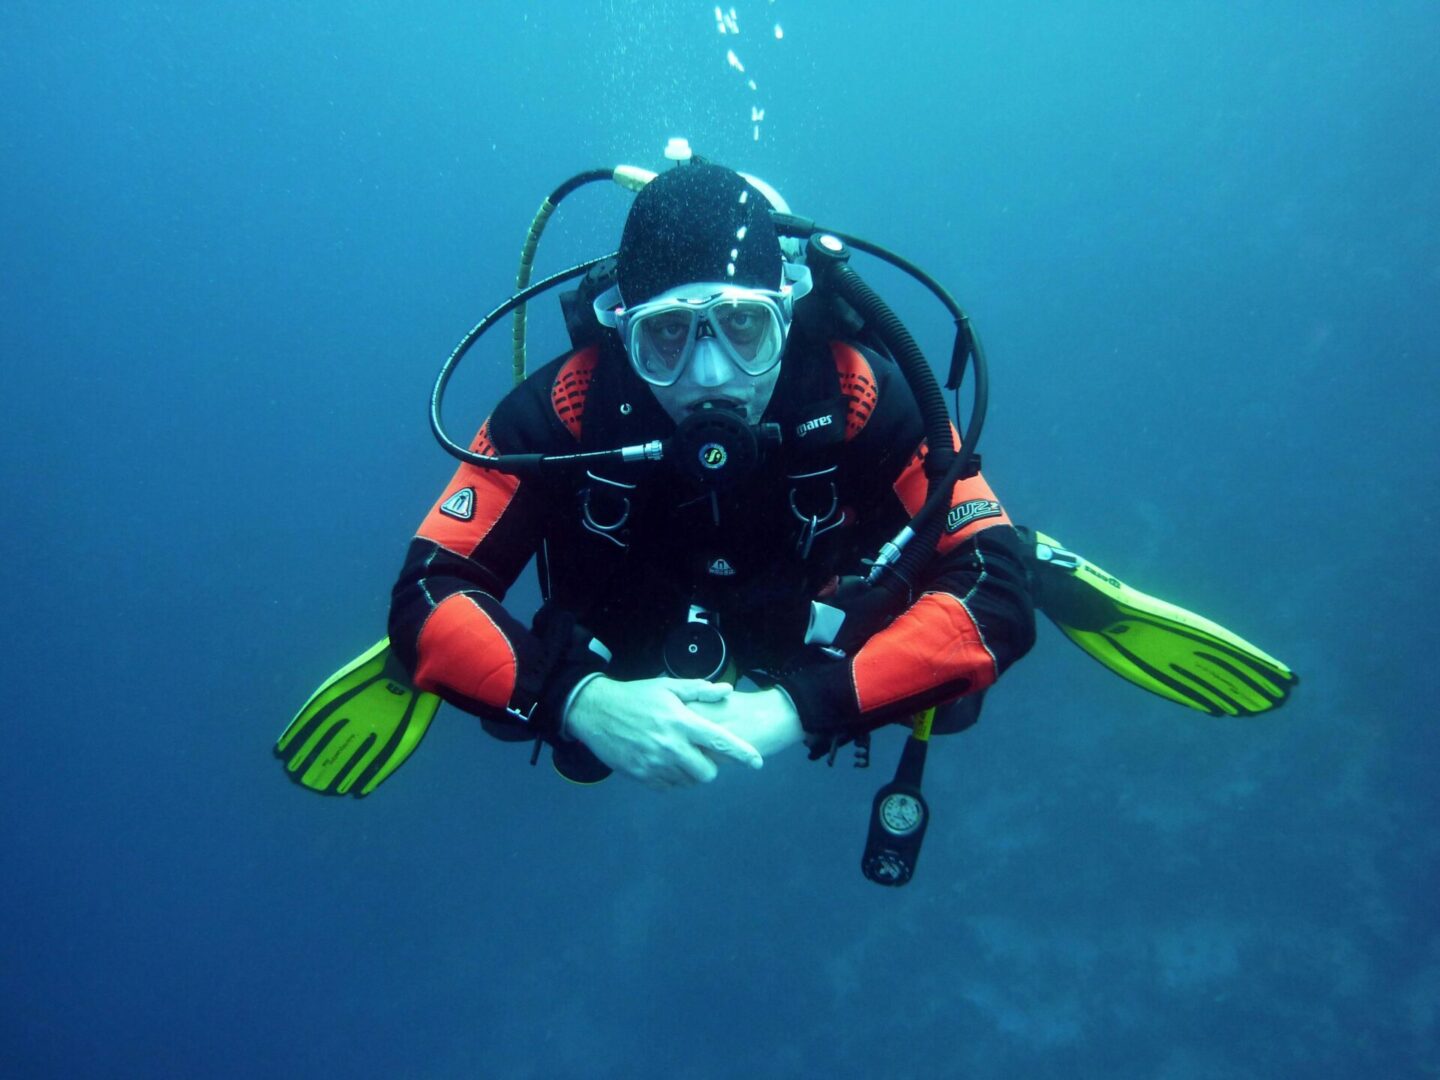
[
  {"x": 786, "y": 703},
  {"x": 585, "y": 680}
]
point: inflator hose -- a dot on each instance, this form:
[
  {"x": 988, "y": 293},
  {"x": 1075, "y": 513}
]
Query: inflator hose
[{"x": 928, "y": 395}]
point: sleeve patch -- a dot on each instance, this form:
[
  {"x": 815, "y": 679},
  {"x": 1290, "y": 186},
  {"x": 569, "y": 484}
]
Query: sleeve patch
[
  {"x": 970, "y": 510},
  {"x": 473, "y": 502},
  {"x": 461, "y": 505}
]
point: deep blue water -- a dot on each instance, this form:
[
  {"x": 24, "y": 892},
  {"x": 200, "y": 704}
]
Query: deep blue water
[{"x": 1201, "y": 242}]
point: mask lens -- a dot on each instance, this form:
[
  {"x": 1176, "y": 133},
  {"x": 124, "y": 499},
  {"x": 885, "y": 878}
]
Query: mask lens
[
  {"x": 661, "y": 342},
  {"x": 752, "y": 331}
]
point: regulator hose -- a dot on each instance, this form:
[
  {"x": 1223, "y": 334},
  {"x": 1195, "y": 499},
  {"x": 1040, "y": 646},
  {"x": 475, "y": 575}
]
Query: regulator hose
[{"x": 827, "y": 257}]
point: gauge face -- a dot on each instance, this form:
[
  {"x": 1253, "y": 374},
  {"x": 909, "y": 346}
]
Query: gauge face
[{"x": 901, "y": 814}]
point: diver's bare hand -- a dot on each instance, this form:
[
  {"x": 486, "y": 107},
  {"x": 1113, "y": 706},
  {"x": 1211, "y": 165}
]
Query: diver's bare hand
[
  {"x": 647, "y": 729},
  {"x": 765, "y": 719}
]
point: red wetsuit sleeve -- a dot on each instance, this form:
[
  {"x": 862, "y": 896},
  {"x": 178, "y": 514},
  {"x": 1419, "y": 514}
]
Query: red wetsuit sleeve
[
  {"x": 939, "y": 644},
  {"x": 448, "y": 623},
  {"x": 971, "y": 619}
]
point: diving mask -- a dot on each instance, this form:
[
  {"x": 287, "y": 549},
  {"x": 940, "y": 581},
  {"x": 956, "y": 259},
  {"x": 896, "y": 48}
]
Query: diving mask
[{"x": 662, "y": 335}]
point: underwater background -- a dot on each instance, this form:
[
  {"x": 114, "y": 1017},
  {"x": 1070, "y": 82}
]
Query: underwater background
[{"x": 1201, "y": 243}]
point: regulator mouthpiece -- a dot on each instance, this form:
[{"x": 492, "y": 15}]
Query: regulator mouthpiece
[{"x": 715, "y": 447}]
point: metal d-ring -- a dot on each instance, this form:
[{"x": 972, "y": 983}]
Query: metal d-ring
[
  {"x": 813, "y": 525},
  {"x": 605, "y": 529}
]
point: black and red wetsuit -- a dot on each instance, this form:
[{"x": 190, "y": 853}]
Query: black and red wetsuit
[{"x": 626, "y": 551}]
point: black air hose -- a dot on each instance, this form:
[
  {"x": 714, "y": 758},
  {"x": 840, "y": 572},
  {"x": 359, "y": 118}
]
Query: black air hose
[{"x": 933, "y": 412}]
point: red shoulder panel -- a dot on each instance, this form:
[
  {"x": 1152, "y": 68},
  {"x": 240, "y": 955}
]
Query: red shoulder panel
[
  {"x": 567, "y": 392},
  {"x": 973, "y": 505},
  {"x": 857, "y": 383},
  {"x": 471, "y": 503}
]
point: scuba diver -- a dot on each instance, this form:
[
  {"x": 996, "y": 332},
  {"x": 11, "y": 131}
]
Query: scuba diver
[
  {"x": 742, "y": 469},
  {"x": 660, "y": 585}
]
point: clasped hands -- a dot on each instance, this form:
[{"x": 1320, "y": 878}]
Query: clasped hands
[{"x": 668, "y": 732}]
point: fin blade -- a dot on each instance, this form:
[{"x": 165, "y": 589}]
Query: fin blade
[
  {"x": 422, "y": 710},
  {"x": 351, "y": 678},
  {"x": 358, "y": 727},
  {"x": 1108, "y": 651},
  {"x": 1157, "y": 645},
  {"x": 336, "y": 771}
]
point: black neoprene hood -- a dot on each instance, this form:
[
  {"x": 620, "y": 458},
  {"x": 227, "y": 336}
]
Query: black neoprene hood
[{"x": 697, "y": 223}]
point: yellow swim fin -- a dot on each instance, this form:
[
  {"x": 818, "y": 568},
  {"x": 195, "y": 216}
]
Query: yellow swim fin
[
  {"x": 358, "y": 728},
  {"x": 1154, "y": 644}
]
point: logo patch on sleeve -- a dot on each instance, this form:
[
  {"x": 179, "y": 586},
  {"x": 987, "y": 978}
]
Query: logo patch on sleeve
[
  {"x": 971, "y": 510},
  {"x": 461, "y": 505}
]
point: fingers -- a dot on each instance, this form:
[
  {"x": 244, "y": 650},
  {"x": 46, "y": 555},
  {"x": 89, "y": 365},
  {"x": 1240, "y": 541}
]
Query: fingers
[
  {"x": 688, "y": 690},
  {"x": 684, "y": 767},
  {"x": 694, "y": 754},
  {"x": 715, "y": 739},
  {"x": 729, "y": 730},
  {"x": 698, "y": 769}
]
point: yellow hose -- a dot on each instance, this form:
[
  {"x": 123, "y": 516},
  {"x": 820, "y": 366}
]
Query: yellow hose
[
  {"x": 631, "y": 178},
  {"x": 522, "y": 281}
]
